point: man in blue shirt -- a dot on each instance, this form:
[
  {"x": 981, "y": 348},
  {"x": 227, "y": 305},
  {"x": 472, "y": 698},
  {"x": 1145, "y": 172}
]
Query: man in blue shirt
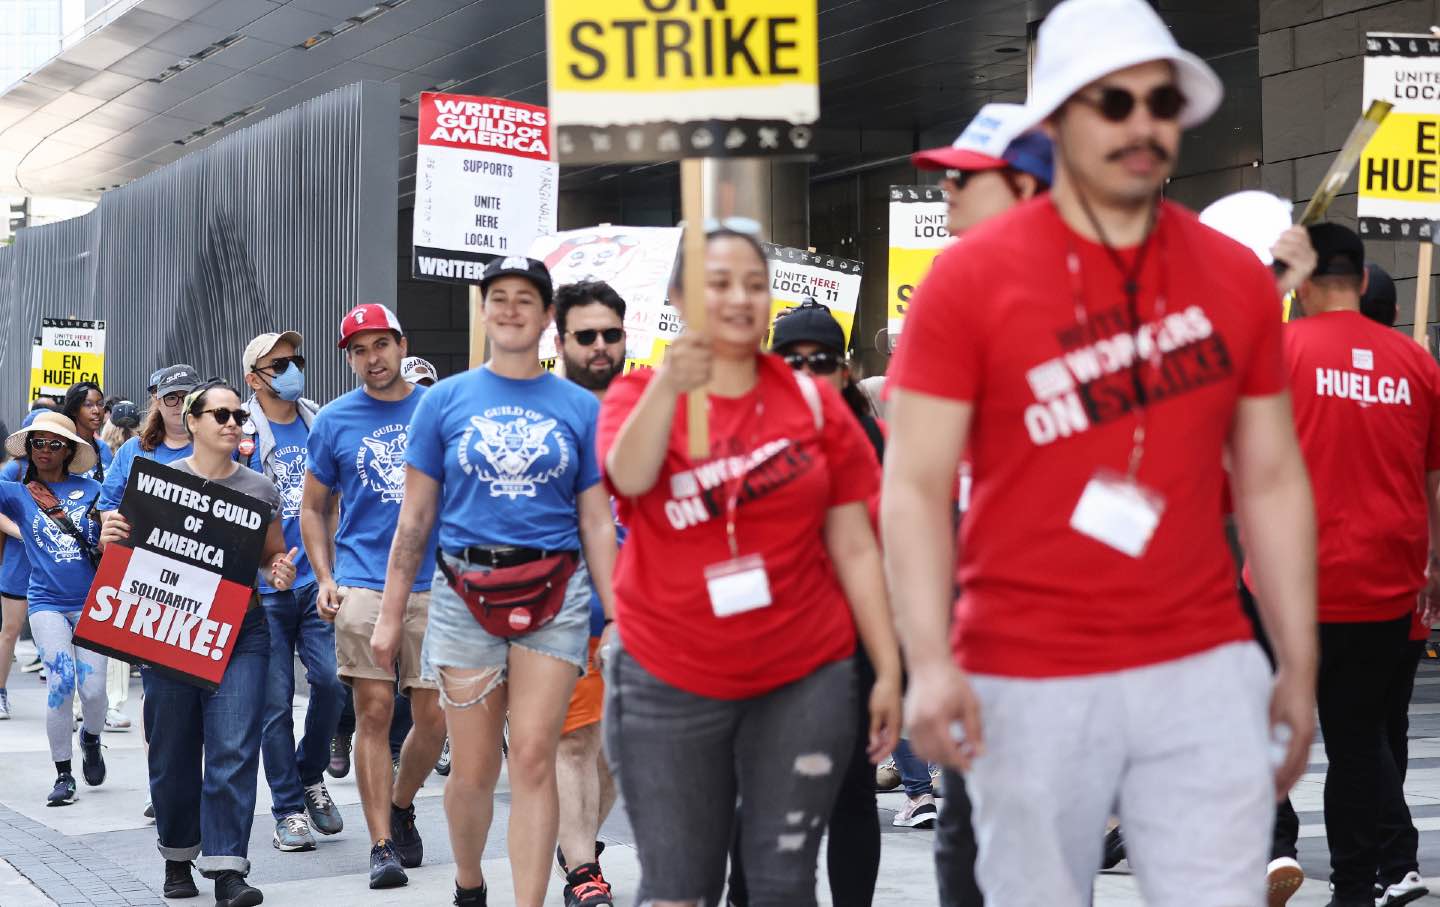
[
  {"x": 357, "y": 450},
  {"x": 276, "y": 444}
]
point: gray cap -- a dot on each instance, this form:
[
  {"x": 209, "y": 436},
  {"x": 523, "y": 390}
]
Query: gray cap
[{"x": 174, "y": 378}]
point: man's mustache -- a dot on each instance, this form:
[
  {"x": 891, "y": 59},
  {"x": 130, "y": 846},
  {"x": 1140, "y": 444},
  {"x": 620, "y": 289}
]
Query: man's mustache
[{"x": 1151, "y": 146}]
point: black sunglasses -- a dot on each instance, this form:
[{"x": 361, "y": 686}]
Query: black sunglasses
[
  {"x": 960, "y": 178},
  {"x": 280, "y": 363},
  {"x": 222, "y": 415},
  {"x": 820, "y": 362},
  {"x": 53, "y": 444},
  {"x": 1116, "y": 104},
  {"x": 587, "y": 336}
]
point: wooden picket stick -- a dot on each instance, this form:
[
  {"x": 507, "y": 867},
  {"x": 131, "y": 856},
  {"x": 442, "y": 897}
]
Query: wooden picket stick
[
  {"x": 692, "y": 209},
  {"x": 1422, "y": 294},
  {"x": 477, "y": 326}
]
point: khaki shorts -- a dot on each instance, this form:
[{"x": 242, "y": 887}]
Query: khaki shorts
[{"x": 354, "y": 623}]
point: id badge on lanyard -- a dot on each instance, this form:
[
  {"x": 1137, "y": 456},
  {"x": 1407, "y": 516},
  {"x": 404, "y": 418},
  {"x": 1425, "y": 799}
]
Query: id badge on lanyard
[{"x": 741, "y": 583}]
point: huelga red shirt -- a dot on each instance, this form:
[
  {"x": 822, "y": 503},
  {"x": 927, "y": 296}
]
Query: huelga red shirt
[
  {"x": 1367, "y": 410},
  {"x": 995, "y": 323},
  {"x": 793, "y": 473}
]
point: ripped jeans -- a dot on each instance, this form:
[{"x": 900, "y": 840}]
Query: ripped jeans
[
  {"x": 68, "y": 669},
  {"x": 682, "y": 761}
]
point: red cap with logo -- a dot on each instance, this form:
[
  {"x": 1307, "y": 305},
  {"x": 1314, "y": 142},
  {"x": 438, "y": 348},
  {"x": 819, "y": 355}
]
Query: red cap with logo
[{"x": 371, "y": 316}]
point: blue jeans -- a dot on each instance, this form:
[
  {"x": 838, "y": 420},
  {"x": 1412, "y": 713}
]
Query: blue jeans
[
  {"x": 205, "y": 755},
  {"x": 295, "y": 625},
  {"x": 914, "y": 772}
]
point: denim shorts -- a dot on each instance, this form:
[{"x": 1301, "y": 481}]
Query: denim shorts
[{"x": 455, "y": 639}]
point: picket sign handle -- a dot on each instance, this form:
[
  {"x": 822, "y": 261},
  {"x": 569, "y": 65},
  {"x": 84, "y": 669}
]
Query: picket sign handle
[
  {"x": 692, "y": 209},
  {"x": 477, "y": 327},
  {"x": 1422, "y": 293}
]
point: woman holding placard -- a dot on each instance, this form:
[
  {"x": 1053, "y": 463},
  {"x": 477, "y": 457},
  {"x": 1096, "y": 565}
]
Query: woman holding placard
[
  {"x": 205, "y": 745},
  {"x": 49, "y": 511}
]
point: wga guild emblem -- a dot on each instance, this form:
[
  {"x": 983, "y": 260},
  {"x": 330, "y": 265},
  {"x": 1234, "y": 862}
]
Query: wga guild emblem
[
  {"x": 511, "y": 441},
  {"x": 289, "y": 479},
  {"x": 61, "y": 545},
  {"x": 380, "y": 460}
]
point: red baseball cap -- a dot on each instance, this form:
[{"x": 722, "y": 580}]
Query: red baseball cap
[{"x": 370, "y": 316}]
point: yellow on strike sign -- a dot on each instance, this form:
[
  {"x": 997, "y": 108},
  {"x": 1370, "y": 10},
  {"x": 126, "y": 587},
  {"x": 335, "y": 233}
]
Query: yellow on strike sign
[
  {"x": 1399, "y": 172},
  {"x": 640, "y": 80}
]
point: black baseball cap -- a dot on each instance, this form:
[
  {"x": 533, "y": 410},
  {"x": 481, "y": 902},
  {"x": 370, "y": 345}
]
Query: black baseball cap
[
  {"x": 125, "y": 414},
  {"x": 520, "y": 266},
  {"x": 1338, "y": 251},
  {"x": 810, "y": 321},
  {"x": 173, "y": 378},
  {"x": 1378, "y": 302}
]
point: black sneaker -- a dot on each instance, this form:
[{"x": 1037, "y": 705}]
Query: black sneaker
[
  {"x": 178, "y": 881},
  {"x": 64, "y": 791},
  {"x": 405, "y": 836},
  {"x": 92, "y": 766},
  {"x": 339, "y": 757},
  {"x": 385, "y": 868},
  {"x": 586, "y": 887},
  {"x": 232, "y": 891},
  {"x": 1114, "y": 848},
  {"x": 470, "y": 897}
]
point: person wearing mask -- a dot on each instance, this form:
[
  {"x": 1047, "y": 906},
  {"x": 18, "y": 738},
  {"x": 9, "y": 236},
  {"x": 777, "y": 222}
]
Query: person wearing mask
[
  {"x": 1058, "y": 713},
  {"x": 590, "y": 322},
  {"x": 418, "y": 371},
  {"x": 739, "y": 592},
  {"x": 50, "y": 511},
  {"x": 275, "y": 445},
  {"x": 357, "y": 450},
  {"x": 504, "y": 457},
  {"x": 204, "y": 752},
  {"x": 14, "y": 581},
  {"x": 1377, "y": 499},
  {"x": 163, "y": 438}
]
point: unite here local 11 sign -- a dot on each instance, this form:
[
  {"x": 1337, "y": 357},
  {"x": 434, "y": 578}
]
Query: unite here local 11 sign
[
  {"x": 485, "y": 184},
  {"x": 71, "y": 350},
  {"x": 1399, "y": 186},
  {"x": 917, "y": 234},
  {"x": 648, "y": 80},
  {"x": 174, "y": 597}
]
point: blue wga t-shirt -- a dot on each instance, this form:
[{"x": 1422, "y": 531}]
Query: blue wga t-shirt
[
  {"x": 100, "y": 470},
  {"x": 287, "y": 469},
  {"x": 60, "y": 574},
  {"x": 15, "y": 571},
  {"x": 511, "y": 457},
  {"x": 357, "y": 447},
  {"x": 117, "y": 474}
]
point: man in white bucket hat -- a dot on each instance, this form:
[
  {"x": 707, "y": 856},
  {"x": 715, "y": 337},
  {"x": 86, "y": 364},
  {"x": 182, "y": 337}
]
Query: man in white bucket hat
[{"x": 1101, "y": 352}]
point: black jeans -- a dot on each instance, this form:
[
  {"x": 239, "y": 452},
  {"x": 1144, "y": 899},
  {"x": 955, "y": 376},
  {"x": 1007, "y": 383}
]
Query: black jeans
[
  {"x": 1361, "y": 665},
  {"x": 1399, "y": 841},
  {"x": 400, "y": 722},
  {"x": 955, "y": 846}
]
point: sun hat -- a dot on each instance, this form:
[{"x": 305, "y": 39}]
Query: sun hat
[
  {"x": 994, "y": 139},
  {"x": 55, "y": 424},
  {"x": 1084, "y": 40}
]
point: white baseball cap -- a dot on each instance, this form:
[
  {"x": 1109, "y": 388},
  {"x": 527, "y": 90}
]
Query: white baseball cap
[
  {"x": 413, "y": 369},
  {"x": 1084, "y": 40}
]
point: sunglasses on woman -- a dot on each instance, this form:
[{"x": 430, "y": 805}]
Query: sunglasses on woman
[
  {"x": 587, "y": 336},
  {"x": 820, "y": 362},
  {"x": 223, "y": 416},
  {"x": 1116, "y": 104},
  {"x": 52, "y": 444}
]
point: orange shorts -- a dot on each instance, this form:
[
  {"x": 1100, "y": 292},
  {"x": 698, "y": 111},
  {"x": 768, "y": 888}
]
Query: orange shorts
[{"x": 587, "y": 703}]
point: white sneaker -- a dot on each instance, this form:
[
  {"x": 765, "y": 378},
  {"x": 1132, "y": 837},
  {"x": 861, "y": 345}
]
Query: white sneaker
[
  {"x": 918, "y": 813},
  {"x": 1284, "y": 877},
  {"x": 115, "y": 720},
  {"x": 1410, "y": 888}
]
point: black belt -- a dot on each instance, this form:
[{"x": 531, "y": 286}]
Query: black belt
[{"x": 498, "y": 558}]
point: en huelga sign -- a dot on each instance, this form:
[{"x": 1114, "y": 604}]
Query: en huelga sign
[
  {"x": 1399, "y": 174},
  {"x": 71, "y": 350},
  {"x": 175, "y": 596},
  {"x": 917, "y": 234},
  {"x": 645, "y": 80},
  {"x": 485, "y": 184}
]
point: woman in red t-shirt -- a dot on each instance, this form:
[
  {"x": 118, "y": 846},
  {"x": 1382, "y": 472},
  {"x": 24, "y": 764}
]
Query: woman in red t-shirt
[{"x": 738, "y": 595}]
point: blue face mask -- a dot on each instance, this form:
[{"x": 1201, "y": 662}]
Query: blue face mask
[{"x": 289, "y": 384}]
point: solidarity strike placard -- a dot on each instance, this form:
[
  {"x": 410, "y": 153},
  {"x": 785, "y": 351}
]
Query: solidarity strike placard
[
  {"x": 1399, "y": 174},
  {"x": 643, "y": 80},
  {"x": 485, "y": 184},
  {"x": 917, "y": 234},
  {"x": 175, "y": 596},
  {"x": 71, "y": 351},
  {"x": 830, "y": 280}
]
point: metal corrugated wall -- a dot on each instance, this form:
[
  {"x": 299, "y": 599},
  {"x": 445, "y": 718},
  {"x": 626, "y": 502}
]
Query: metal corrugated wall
[{"x": 267, "y": 229}]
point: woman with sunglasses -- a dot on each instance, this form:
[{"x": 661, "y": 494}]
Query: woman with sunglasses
[
  {"x": 204, "y": 753},
  {"x": 163, "y": 438},
  {"x": 50, "y": 511},
  {"x": 739, "y": 592},
  {"x": 14, "y": 582},
  {"x": 84, "y": 405}
]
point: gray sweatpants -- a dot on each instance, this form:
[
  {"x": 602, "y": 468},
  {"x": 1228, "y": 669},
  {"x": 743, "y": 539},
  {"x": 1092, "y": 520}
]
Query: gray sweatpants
[
  {"x": 1179, "y": 750},
  {"x": 68, "y": 668}
]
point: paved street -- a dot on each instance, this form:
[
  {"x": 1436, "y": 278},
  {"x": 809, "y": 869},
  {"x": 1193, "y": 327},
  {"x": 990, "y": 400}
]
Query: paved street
[{"x": 101, "y": 850}]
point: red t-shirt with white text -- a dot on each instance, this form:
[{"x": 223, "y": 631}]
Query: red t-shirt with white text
[
  {"x": 1367, "y": 410},
  {"x": 995, "y": 323},
  {"x": 795, "y": 474}
]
